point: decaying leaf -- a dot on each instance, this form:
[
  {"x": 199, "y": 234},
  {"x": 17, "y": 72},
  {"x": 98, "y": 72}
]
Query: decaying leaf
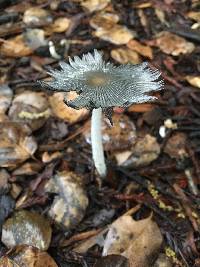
[
  {"x": 145, "y": 51},
  {"x": 163, "y": 261},
  {"x": 16, "y": 144},
  {"x": 94, "y": 5},
  {"x": 6, "y": 95},
  {"x": 118, "y": 35},
  {"x": 104, "y": 20},
  {"x": 36, "y": 16},
  {"x": 139, "y": 241},
  {"x": 195, "y": 15},
  {"x": 69, "y": 206},
  {"x": 28, "y": 168},
  {"x": 30, "y": 108},
  {"x": 176, "y": 146},
  {"x": 194, "y": 80},
  {"x": 125, "y": 55},
  {"x": 112, "y": 261},
  {"x": 27, "y": 256},
  {"x": 107, "y": 29},
  {"x": 35, "y": 38},
  {"x": 173, "y": 44},
  {"x": 15, "y": 47},
  {"x": 60, "y": 25},
  {"x": 64, "y": 112},
  {"x": 141, "y": 107},
  {"x": 119, "y": 137},
  {"x": 145, "y": 150},
  {"x": 26, "y": 227}
]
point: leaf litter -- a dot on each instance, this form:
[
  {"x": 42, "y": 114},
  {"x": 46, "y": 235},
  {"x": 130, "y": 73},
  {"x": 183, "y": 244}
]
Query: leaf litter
[{"x": 152, "y": 150}]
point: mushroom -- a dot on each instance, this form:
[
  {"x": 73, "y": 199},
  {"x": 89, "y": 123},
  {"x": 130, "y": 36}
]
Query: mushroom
[{"x": 101, "y": 86}]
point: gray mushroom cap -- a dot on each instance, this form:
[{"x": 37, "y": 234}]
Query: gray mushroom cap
[{"x": 101, "y": 84}]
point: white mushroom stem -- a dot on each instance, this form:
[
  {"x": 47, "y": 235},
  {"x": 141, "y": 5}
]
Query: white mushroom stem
[{"x": 97, "y": 144}]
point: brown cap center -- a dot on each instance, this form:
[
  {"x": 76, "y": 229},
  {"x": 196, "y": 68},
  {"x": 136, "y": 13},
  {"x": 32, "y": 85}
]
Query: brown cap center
[{"x": 97, "y": 78}]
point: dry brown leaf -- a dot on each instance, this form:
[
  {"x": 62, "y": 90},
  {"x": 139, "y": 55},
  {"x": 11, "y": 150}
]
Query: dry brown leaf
[
  {"x": 112, "y": 261},
  {"x": 35, "y": 38},
  {"x": 145, "y": 150},
  {"x": 28, "y": 168},
  {"x": 15, "y": 47},
  {"x": 30, "y": 108},
  {"x": 70, "y": 202},
  {"x": 27, "y": 256},
  {"x": 36, "y": 16},
  {"x": 194, "y": 80},
  {"x": 47, "y": 157},
  {"x": 62, "y": 111},
  {"x": 94, "y": 5},
  {"x": 163, "y": 261},
  {"x": 142, "y": 5},
  {"x": 176, "y": 146},
  {"x": 173, "y": 44},
  {"x": 136, "y": 240},
  {"x": 119, "y": 137},
  {"x": 107, "y": 28},
  {"x": 125, "y": 55},
  {"x": 104, "y": 20},
  {"x": 161, "y": 16},
  {"x": 25, "y": 227},
  {"x": 143, "y": 50},
  {"x": 59, "y": 25},
  {"x": 195, "y": 15},
  {"x": 118, "y": 35},
  {"x": 6, "y": 95},
  {"x": 141, "y": 108},
  {"x": 16, "y": 145}
]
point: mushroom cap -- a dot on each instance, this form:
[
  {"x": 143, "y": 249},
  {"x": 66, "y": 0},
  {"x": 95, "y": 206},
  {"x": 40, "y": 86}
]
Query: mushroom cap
[{"x": 101, "y": 84}]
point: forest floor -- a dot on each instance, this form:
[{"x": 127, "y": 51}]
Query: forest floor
[{"x": 54, "y": 208}]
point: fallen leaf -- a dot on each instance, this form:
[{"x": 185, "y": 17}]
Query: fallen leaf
[
  {"x": 195, "y": 15},
  {"x": 62, "y": 111},
  {"x": 4, "y": 185},
  {"x": 112, "y": 261},
  {"x": 124, "y": 56},
  {"x": 194, "y": 80},
  {"x": 104, "y": 20},
  {"x": 6, "y": 95},
  {"x": 145, "y": 150},
  {"x": 15, "y": 47},
  {"x": 35, "y": 38},
  {"x": 30, "y": 108},
  {"x": 176, "y": 146},
  {"x": 163, "y": 261},
  {"x": 36, "y": 16},
  {"x": 141, "y": 108},
  {"x": 161, "y": 16},
  {"x": 28, "y": 168},
  {"x": 15, "y": 190},
  {"x": 141, "y": 49},
  {"x": 138, "y": 241},
  {"x": 7, "y": 205},
  {"x": 119, "y": 137},
  {"x": 173, "y": 44},
  {"x": 107, "y": 28},
  {"x": 47, "y": 157},
  {"x": 59, "y": 25},
  {"x": 25, "y": 227},
  {"x": 27, "y": 256},
  {"x": 69, "y": 206},
  {"x": 119, "y": 34},
  {"x": 94, "y": 5},
  {"x": 16, "y": 144}
]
